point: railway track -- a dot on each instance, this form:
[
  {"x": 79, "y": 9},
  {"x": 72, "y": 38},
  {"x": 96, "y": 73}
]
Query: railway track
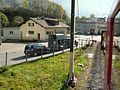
[
  {"x": 95, "y": 80},
  {"x": 92, "y": 78}
]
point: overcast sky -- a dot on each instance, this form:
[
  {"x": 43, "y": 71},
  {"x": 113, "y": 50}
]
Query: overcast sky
[{"x": 100, "y": 8}]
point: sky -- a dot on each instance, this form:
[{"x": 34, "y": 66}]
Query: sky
[{"x": 100, "y": 8}]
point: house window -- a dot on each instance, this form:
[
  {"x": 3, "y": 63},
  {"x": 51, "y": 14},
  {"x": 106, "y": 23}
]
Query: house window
[
  {"x": 50, "y": 32},
  {"x": 31, "y": 32},
  {"x": 47, "y": 32},
  {"x": 31, "y": 24},
  {"x": 11, "y": 32}
]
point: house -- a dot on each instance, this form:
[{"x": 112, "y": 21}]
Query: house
[
  {"x": 11, "y": 33},
  {"x": 40, "y": 28},
  {"x": 35, "y": 29}
]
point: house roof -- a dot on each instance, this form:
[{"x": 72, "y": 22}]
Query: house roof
[{"x": 49, "y": 23}]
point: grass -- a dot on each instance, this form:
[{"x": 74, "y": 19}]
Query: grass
[
  {"x": 43, "y": 74},
  {"x": 117, "y": 63},
  {"x": 116, "y": 75}
]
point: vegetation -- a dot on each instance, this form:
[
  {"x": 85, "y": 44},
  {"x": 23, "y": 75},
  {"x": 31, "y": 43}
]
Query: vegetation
[
  {"x": 84, "y": 18},
  {"x": 17, "y": 20},
  {"x": 44, "y": 74},
  {"x": 116, "y": 73},
  {"x": 117, "y": 63},
  {"x": 32, "y": 8},
  {"x": 4, "y": 19}
]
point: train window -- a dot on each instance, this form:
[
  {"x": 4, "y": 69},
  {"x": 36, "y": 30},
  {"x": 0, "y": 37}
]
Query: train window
[
  {"x": 117, "y": 25},
  {"x": 47, "y": 32},
  {"x": 11, "y": 32},
  {"x": 31, "y": 32},
  {"x": 116, "y": 41}
]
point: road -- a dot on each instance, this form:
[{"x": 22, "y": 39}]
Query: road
[{"x": 15, "y": 53}]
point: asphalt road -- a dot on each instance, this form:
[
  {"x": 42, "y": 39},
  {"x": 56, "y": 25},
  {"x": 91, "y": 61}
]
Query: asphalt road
[{"x": 15, "y": 53}]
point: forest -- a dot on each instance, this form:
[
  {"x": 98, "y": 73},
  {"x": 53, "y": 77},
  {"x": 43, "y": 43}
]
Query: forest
[{"x": 14, "y": 12}]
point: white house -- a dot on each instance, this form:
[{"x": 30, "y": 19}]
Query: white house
[
  {"x": 35, "y": 29},
  {"x": 11, "y": 33}
]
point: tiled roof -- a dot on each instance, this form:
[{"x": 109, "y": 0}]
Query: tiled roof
[{"x": 49, "y": 23}]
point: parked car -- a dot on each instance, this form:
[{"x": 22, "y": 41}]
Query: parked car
[{"x": 35, "y": 49}]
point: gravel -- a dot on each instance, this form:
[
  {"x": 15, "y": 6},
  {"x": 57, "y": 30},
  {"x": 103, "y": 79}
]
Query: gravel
[{"x": 95, "y": 81}]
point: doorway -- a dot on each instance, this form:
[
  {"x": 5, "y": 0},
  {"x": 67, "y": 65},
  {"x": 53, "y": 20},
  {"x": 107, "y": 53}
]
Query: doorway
[{"x": 39, "y": 36}]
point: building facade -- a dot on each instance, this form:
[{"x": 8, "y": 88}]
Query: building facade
[
  {"x": 11, "y": 33},
  {"x": 90, "y": 25},
  {"x": 40, "y": 28}
]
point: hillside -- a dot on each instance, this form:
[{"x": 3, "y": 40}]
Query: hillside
[
  {"x": 32, "y": 8},
  {"x": 10, "y": 3}
]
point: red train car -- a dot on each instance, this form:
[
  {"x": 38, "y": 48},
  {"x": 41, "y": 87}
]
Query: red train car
[{"x": 110, "y": 37}]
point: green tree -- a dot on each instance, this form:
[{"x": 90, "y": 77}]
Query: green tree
[
  {"x": 35, "y": 8},
  {"x": 13, "y": 3},
  {"x": 4, "y": 19},
  {"x": 77, "y": 19},
  {"x": 26, "y": 3},
  {"x": 92, "y": 15},
  {"x": 83, "y": 18},
  {"x": 18, "y": 20}
]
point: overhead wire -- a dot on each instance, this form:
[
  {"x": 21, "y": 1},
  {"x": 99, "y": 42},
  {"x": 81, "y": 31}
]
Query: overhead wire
[
  {"x": 105, "y": 8},
  {"x": 78, "y": 12},
  {"x": 112, "y": 6},
  {"x": 108, "y": 7},
  {"x": 78, "y": 7}
]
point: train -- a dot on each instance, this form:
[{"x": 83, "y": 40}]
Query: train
[{"x": 109, "y": 44}]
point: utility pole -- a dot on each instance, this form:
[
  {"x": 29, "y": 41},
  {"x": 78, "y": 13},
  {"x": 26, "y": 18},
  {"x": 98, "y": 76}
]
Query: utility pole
[
  {"x": 0, "y": 32},
  {"x": 71, "y": 79}
]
